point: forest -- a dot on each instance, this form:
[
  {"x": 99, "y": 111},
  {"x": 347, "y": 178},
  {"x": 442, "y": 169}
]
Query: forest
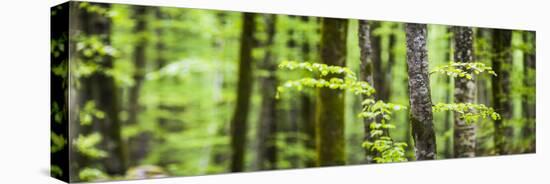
[{"x": 148, "y": 92}]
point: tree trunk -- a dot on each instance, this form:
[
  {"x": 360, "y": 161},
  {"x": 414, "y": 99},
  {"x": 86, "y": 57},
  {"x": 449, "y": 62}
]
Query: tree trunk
[
  {"x": 239, "y": 123},
  {"x": 105, "y": 94},
  {"x": 366, "y": 74},
  {"x": 267, "y": 149},
  {"x": 502, "y": 63},
  {"x": 379, "y": 79},
  {"x": 330, "y": 108},
  {"x": 448, "y": 91},
  {"x": 420, "y": 100},
  {"x": 464, "y": 133},
  {"x": 529, "y": 97},
  {"x": 308, "y": 105},
  {"x": 138, "y": 145}
]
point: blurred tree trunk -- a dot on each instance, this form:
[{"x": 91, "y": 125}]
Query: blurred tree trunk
[
  {"x": 330, "y": 108},
  {"x": 138, "y": 145},
  {"x": 366, "y": 74},
  {"x": 502, "y": 63},
  {"x": 390, "y": 65},
  {"x": 464, "y": 133},
  {"x": 483, "y": 82},
  {"x": 421, "y": 116},
  {"x": 239, "y": 123},
  {"x": 291, "y": 131},
  {"x": 105, "y": 94},
  {"x": 529, "y": 95},
  {"x": 380, "y": 83},
  {"x": 267, "y": 130},
  {"x": 448, "y": 91},
  {"x": 307, "y": 103}
]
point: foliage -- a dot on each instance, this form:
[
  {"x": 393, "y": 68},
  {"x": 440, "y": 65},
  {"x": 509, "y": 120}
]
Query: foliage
[
  {"x": 318, "y": 68},
  {"x": 88, "y": 112},
  {"x": 468, "y": 111},
  {"x": 92, "y": 174},
  {"x": 389, "y": 150},
  {"x": 379, "y": 112},
  {"x": 349, "y": 83},
  {"x": 463, "y": 70},
  {"x": 57, "y": 113},
  {"x": 56, "y": 171},
  {"x": 87, "y": 145},
  {"x": 58, "y": 142}
]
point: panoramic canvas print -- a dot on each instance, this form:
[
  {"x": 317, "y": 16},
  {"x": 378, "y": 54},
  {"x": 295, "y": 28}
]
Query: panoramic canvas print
[{"x": 148, "y": 92}]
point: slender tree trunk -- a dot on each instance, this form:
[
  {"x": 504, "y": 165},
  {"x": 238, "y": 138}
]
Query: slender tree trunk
[
  {"x": 267, "y": 149},
  {"x": 421, "y": 116},
  {"x": 389, "y": 67},
  {"x": 330, "y": 108},
  {"x": 138, "y": 145},
  {"x": 448, "y": 91},
  {"x": 379, "y": 79},
  {"x": 464, "y": 133},
  {"x": 291, "y": 130},
  {"x": 105, "y": 94},
  {"x": 366, "y": 74},
  {"x": 502, "y": 63},
  {"x": 308, "y": 105},
  {"x": 529, "y": 99},
  {"x": 239, "y": 123}
]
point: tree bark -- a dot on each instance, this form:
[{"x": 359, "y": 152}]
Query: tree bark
[
  {"x": 105, "y": 94},
  {"x": 528, "y": 98},
  {"x": 138, "y": 145},
  {"x": 464, "y": 133},
  {"x": 330, "y": 108},
  {"x": 366, "y": 74},
  {"x": 239, "y": 122},
  {"x": 502, "y": 63},
  {"x": 448, "y": 90},
  {"x": 267, "y": 130},
  {"x": 421, "y": 116},
  {"x": 308, "y": 104},
  {"x": 379, "y": 82}
]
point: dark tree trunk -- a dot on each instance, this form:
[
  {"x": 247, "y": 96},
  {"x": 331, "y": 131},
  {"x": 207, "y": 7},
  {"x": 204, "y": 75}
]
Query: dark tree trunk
[
  {"x": 366, "y": 74},
  {"x": 421, "y": 116},
  {"x": 291, "y": 129},
  {"x": 464, "y": 133},
  {"x": 308, "y": 105},
  {"x": 388, "y": 71},
  {"x": 502, "y": 63},
  {"x": 330, "y": 108},
  {"x": 448, "y": 91},
  {"x": 529, "y": 97},
  {"x": 138, "y": 145},
  {"x": 239, "y": 123},
  {"x": 105, "y": 94},
  {"x": 379, "y": 82},
  {"x": 267, "y": 149}
]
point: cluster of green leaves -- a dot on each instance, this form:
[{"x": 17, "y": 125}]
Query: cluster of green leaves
[
  {"x": 320, "y": 69},
  {"x": 87, "y": 145},
  {"x": 389, "y": 150},
  {"x": 89, "y": 112},
  {"x": 377, "y": 111},
  {"x": 92, "y": 174},
  {"x": 349, "y": 83},
  {"x": 56, "y": 171},
  {"x": 463, "y": 70},
  {"x": 468, "y": 111},
  {"x": 380, "y": 113},
  {"x": 94, "y": 8},
  {"x": 58, "y": 142}
]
